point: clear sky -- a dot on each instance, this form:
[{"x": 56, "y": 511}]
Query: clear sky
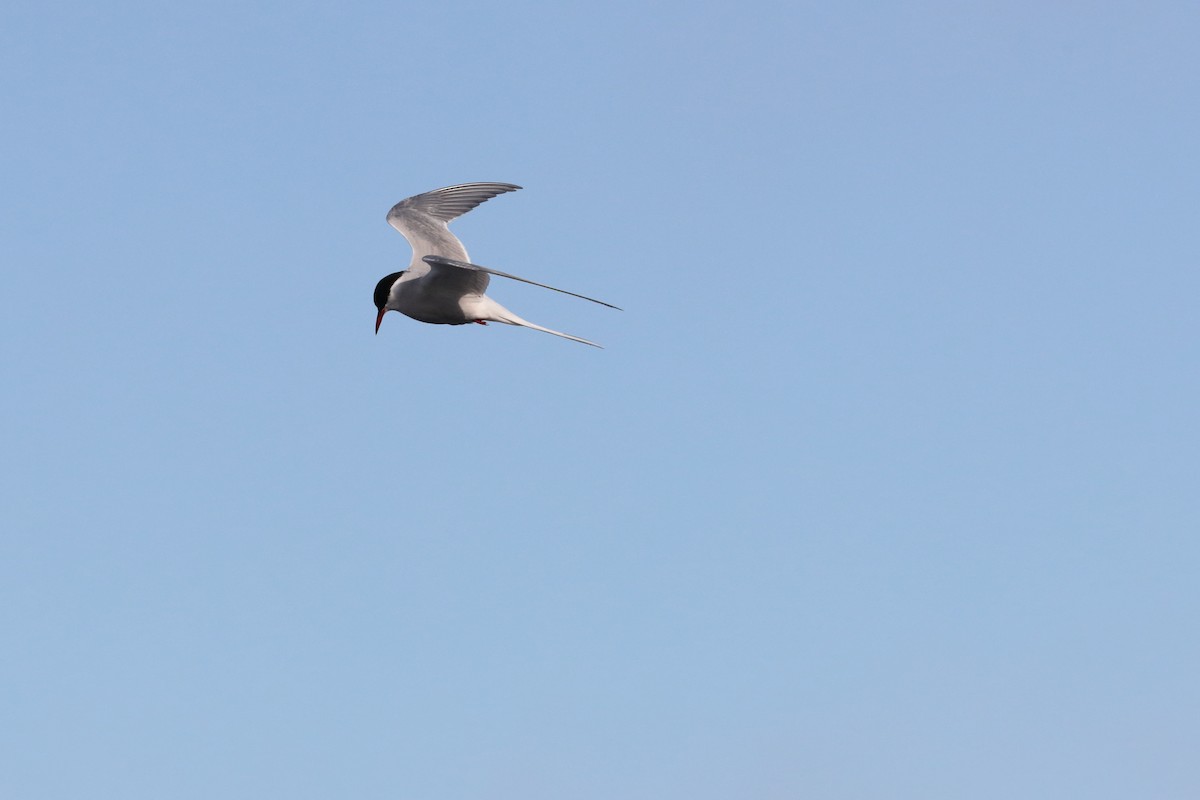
[{"x": 884, "y": 487}]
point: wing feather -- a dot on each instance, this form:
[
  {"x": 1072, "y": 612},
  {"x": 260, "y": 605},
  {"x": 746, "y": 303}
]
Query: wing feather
[
  {"x": 422, "y": 219},
  {"x": 440, "y": 262},
  {"x": 453, "y": 201}
]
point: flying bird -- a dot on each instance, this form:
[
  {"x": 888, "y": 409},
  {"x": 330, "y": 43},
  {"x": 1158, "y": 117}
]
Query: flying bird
[{"x": 441, "y": 285}]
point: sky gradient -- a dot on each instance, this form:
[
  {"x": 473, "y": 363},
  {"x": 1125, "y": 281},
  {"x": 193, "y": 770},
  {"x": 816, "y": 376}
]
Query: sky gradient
[{"x": 885, "y": 484}]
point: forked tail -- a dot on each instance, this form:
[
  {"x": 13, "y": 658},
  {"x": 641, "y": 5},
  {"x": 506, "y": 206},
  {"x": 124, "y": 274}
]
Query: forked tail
[{"x": 498, "y": 313}]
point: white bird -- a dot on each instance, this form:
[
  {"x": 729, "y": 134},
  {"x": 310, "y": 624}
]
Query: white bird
[{"x": 441, "y": 285}]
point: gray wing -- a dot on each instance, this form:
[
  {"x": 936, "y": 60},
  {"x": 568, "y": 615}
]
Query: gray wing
[
  {"x": 423, "y": 218},
  {"x": 450, "y": 264}
]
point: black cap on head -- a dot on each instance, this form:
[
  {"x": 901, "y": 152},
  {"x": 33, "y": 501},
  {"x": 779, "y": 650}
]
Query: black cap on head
[{"x": 384, "y": 288}]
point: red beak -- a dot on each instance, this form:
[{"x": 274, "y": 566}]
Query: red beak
[{"x": 379, "y": 319}]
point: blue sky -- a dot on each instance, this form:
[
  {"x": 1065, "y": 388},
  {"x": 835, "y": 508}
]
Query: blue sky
[{"x": 885, "y": 485}]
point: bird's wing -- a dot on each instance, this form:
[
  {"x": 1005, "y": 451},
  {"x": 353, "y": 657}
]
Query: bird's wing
[
  {"x": 423, "y": 218},
  {"x": 442, "y": 265}
]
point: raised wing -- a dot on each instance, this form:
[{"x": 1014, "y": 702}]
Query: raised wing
[
  {"x": 423, "y": 218},
  {"x": 453, "y": 201},
  {"x": 451, "y": 263}
]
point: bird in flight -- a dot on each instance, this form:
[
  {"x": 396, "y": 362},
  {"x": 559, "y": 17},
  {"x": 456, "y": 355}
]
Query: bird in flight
[{"x": 441, "y": 285}]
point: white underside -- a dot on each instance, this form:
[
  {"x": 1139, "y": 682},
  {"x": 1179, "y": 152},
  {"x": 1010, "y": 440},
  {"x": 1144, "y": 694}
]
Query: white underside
[{"x": 444, "y": 294}]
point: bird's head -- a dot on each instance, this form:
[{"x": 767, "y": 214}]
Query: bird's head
[{"x": 383, "y": 290}]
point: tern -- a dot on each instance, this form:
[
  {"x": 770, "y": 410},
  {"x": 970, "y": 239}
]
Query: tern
[{"x": 441, "y": 285}]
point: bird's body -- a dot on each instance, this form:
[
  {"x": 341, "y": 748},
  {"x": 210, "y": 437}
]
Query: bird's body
[{"x": 441, "y": 286}]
